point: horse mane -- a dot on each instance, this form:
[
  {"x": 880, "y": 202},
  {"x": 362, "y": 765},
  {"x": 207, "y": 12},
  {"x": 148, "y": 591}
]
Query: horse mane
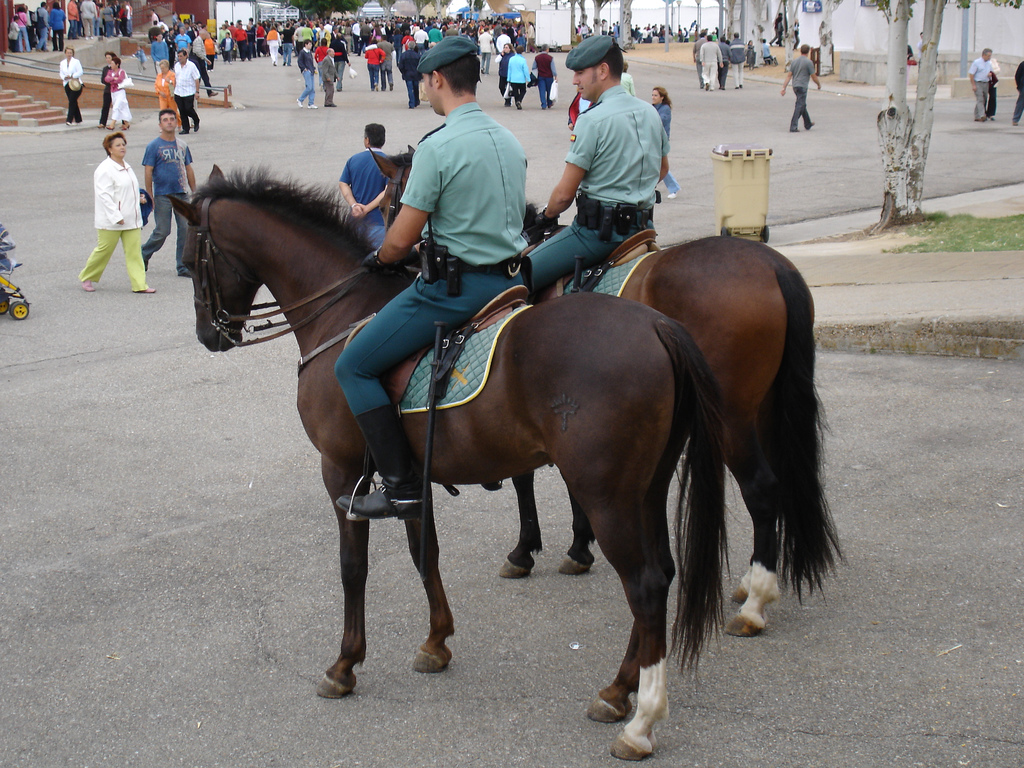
[
  {"x": 403, "y": 159},
  {"x": 313, "y": 208}
]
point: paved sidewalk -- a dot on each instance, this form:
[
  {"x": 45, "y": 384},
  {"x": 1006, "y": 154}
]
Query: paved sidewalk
[{"x": 965, "y": 304}]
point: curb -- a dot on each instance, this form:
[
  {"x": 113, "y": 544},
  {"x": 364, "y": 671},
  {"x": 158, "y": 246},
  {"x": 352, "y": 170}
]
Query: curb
[{"x": 985, "y": 338}]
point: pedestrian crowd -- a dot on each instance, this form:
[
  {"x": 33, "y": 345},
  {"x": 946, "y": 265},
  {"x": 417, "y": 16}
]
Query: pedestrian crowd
[{"x": 32, "y": 29}]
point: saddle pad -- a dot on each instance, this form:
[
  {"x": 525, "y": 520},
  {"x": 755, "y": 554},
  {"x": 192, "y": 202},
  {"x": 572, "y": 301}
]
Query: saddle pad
[
  {"x": 468, "y": 378},
  {"x": 623, "y": 261},
  {"x": 615, "y": 278}
]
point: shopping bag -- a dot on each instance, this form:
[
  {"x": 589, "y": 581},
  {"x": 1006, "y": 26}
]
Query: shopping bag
[
  {"x": 352, "y": 72},
  {"x": 553, "y": 96}
]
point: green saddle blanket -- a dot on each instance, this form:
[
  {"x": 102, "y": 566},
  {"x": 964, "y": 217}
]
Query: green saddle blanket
[
  {"x": 468, "y": 377},
  {"x": 615, "y": 278}
]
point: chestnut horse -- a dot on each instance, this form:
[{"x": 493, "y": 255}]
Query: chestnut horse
[
  {"x": 751, "y": 313},
  {"x": 612, "y": 410}
]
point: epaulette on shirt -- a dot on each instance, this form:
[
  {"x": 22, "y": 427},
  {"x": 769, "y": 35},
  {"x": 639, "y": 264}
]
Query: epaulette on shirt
[{"x": 427, "y": 136}]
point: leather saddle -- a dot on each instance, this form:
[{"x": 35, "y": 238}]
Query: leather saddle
[
  {"x": 636, "y": 246},
  {"x": 397, "y": 379}
]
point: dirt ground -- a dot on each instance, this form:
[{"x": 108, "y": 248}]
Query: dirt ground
[{"x": 682, "y": 53}]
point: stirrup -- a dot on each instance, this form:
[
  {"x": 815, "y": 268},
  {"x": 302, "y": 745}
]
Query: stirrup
[{"x": 401, "y": 509}]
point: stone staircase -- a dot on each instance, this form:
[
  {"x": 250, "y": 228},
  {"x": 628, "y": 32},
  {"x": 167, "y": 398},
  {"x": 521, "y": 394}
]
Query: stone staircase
[{"x": 26, "y": 112}]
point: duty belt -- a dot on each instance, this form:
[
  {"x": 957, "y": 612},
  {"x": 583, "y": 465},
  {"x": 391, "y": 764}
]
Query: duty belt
[{"x": 611, "y": 218}]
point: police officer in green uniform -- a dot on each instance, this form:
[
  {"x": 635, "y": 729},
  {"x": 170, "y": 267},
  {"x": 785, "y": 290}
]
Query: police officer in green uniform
[
  {"x": 618, "y": 154},
  {"x": 474, "y": 232}
]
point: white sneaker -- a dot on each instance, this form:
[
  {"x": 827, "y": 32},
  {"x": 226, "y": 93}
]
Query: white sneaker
[
  {"x": 312, "y": 106},
  {"x": 671, "y": 195},
  {"x": 299, "y": 103}
]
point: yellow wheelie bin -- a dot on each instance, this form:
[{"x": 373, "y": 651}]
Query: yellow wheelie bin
[{"x": 741, "y": 190}]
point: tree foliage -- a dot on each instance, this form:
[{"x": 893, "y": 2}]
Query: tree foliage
[{"x": 324, "y": 8}]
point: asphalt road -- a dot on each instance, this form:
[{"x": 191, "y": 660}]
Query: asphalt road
[
  {"x": 169, "y": 586},
  {"x": 170, "y": 590}
]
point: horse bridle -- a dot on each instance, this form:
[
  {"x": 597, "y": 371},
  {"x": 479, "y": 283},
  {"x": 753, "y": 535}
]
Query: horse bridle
[
  {"x": 208, "y": 294},
  {"x": 394, "y": 189}
]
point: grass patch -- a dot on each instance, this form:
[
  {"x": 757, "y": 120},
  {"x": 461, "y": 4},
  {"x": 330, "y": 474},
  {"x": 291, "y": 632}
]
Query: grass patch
[{"x": 965, "y": 233}]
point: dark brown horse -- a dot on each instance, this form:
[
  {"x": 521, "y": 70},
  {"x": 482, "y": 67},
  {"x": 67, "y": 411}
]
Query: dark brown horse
[
  {"x": 751, "y": 313},
  {"x": 615, "y": 435}
]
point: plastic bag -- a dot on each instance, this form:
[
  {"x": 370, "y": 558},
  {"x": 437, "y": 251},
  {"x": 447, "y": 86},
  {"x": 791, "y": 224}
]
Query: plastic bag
[
  {"x": 352, "y": 72},
  {"x": 553, "y": 96}
]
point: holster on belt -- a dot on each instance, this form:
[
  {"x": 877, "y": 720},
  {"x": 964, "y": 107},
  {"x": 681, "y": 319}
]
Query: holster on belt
[{"x": 610, "y": 218}]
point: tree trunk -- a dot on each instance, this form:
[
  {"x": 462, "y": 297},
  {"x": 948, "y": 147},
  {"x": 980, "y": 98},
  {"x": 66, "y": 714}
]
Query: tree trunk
[
  {"x": 905, "y": 138},
  {"x": 791, "y": 9},
  {"x": 626, "y": 28},
  {"x": 598, "y": 5},
  {"x": 825, "y": 36}
]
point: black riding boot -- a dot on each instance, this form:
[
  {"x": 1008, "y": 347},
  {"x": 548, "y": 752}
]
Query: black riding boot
[{"x": 402, "y": 494}]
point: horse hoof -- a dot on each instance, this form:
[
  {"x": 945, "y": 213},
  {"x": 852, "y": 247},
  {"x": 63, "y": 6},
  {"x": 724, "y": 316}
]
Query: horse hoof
[
  {"x": 600, "y": 711},
  {"x": 740, "y": 595},
  {"x": 625, "y": 748},
  {"x": 741, "y": 626},
  {"x": 330, "y": 689},
  {"x": 429, "y": 663},
  {"x": 512, "y": 571},
  {"x": 571, "y": 568}
]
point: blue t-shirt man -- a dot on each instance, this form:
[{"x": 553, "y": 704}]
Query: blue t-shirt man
[
  {"x": 168, "y": 164},
  {"x": 168, "y": 160},
  {"x": 362, "y": 183}
]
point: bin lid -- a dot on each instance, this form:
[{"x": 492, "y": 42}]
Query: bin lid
[{"x": 742, "y": 150}]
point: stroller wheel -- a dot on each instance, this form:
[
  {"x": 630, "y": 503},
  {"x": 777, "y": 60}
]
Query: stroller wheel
[
  {"x": 19, "y": 310},
  {"x": 4, "y": 306}
]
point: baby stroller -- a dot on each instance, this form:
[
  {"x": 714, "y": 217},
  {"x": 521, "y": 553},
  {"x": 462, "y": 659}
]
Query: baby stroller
[{"x": 11, "y": 298}]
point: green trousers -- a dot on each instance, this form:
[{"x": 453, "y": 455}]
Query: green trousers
[{"x": 131, "y": 240}]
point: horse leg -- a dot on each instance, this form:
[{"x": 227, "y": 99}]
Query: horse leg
[
  {"x": 759, "y": 585},
  {"x": 520, "y": 561},
  {"x": 434, "y": 654},
  {"x": 642, "y": 558},
  {"x": 339, "y": 680},
  {"x": 579, "y": 557}
]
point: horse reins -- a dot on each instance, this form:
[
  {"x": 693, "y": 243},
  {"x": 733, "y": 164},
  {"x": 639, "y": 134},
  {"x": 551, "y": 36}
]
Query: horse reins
[
  {"x": 395, "y": 188},
  {"x": 209, "y": 295}
]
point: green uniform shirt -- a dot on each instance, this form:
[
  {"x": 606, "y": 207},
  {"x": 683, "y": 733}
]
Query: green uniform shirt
[
  {"x": 470, "y": 176},
  {"x": 619, "y": 142}
]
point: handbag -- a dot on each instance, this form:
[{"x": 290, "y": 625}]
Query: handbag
[
  {"x": 127, "y": 83},
  {"x": 533, "y": 81}
]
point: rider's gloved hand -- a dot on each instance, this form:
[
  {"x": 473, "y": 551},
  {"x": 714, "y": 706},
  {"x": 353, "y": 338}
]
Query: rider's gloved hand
[
  {"x": 545, "y": 221},
  {"x": 372, "y": 263}
]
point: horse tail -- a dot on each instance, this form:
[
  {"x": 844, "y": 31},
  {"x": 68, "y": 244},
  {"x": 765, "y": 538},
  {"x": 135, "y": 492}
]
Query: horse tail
[
  {"x": 809, "y": 544},
  {"x": 700, "y": 531}
]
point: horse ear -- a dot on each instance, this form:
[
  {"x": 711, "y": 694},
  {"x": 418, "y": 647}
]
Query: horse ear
[
  {"x": 186, "y": 209},
  {"x": 216, "y": 173},
  {"x": 412, "y": 149},
  {"x": 388, "y": 168}
]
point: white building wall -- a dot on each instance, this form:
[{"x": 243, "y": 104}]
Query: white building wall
[{"x": 864, "y": 30}]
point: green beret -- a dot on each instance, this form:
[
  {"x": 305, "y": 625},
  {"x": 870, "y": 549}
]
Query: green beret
[
  {"x": 445, "y": 52},
  {"x": 589, "y": 53}
]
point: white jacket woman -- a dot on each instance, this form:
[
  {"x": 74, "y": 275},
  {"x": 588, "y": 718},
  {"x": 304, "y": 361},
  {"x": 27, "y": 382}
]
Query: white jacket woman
[{"x": 118, "y": 216}]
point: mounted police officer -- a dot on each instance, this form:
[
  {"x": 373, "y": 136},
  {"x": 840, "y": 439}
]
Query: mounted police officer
[
  {"x": 618, "y": 155},
  {"x": 473, "y": 239}
]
